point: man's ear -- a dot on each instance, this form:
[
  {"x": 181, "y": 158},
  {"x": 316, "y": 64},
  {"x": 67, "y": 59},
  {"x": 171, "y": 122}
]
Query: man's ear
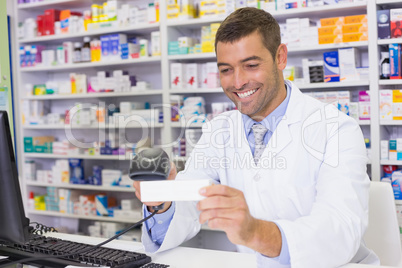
[{"x": 281, "y": 57}]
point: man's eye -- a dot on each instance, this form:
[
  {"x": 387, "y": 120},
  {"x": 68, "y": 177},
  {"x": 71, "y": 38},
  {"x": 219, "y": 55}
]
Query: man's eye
[
  {"x": 224, "y": 70},
  {"x": 253, "y": 65}
]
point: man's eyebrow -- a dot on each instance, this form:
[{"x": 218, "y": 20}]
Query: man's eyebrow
[
  {"x": 251, "y": 58},
  {"x": 242, "y": 61}
]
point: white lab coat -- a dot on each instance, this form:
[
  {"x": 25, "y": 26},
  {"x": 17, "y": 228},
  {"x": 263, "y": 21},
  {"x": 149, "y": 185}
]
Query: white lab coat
[{"x": 311, "y": 181}]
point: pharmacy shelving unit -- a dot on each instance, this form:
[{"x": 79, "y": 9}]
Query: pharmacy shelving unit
[
  {"x": 146, "y": 69},
  {"x": 387, "y": 128},
  {"x": 156, "y": 70}
]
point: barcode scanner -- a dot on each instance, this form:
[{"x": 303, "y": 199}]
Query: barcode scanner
[{"x": 150, "y": 165}]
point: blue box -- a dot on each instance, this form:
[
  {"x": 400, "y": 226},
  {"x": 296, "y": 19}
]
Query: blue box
[
  {"x": 396, "y": 184},
  {"x": 395, "y": 61},
  {"x": 115, "y": 40},
  {"x": 383, "y": 24},
  {"x": 105, "y": 46},
  {"x": 101, "y": 205},
  {"x": 331, "y": 66},
  {"x": 76, "y": 170}
]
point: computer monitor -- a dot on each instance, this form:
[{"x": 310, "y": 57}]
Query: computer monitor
[{"x": 14, "y": 226}]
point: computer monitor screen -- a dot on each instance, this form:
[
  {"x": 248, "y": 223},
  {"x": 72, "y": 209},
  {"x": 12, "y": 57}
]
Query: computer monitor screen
[{"x": 13, "y": 223}]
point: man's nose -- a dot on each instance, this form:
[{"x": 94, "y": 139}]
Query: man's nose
[{"x": 240, "y": 79}]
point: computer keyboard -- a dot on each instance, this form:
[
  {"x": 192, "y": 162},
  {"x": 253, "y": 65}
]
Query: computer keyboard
[{"x": 41, "y": 246}]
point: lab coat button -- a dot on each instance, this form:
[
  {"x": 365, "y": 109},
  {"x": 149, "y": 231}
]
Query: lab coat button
[{"x": 257, "y": 177}]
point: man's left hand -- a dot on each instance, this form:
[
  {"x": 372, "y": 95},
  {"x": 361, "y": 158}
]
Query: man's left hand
[{"x": 225, "y": 208}]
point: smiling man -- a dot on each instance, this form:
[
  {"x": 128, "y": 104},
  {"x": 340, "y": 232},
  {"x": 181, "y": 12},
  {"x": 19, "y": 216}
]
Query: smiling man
[{"x": 310, "y": 211}]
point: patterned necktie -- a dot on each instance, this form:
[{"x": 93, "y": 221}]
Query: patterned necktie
[{"x": 259, "y": 132}]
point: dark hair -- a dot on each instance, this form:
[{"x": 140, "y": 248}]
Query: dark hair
[{"x": 245, "y": 21}]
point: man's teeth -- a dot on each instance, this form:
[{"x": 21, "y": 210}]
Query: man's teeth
[{"x": 246, "y": 94}]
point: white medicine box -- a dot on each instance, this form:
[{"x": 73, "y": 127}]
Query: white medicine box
[{"x": 177, "y": 75}]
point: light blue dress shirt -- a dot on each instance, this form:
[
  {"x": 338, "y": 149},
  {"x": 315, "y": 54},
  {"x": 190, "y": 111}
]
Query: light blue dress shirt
[{"x": 270, "y": 122}]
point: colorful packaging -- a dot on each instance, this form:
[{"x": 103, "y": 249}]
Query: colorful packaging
[
  {"x": 386, "y": 104},
  {"x": 392, "y": 150},
  {"x": 395, "y": 61},
  {"x": 364, "y": 105},
  {"x": 344, "y": 101},
  {"x": 331, "y": 66},
  {"x": 383, "y": 24},
  {"x": 396, "y": 22},
  {"x": 76, "y": 171},
  {"x": 397, "y": 104},
  {"x": 349, "y": 60},
  {"x": 396, "y": 184},
  {"x": 332, "y": 21},
  {"x": 177, "y": 75}
]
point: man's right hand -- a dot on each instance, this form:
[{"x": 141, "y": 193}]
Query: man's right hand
[{"x": 137, "y": 186}]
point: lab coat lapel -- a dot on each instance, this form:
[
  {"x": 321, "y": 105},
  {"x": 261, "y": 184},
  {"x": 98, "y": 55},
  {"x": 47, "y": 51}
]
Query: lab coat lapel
[
  {"x": 279, "y": 140},
  {"x": 282, "y": 135}
]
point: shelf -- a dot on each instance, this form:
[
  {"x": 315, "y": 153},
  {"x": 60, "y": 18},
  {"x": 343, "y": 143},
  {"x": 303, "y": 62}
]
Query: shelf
[
  {"x": 388, "y": 2},
  {"x": 391, "y": 162},
  {"x": 96, "y": 218},
  {"x": 322, "y": 11},
  {"x": 198, "y": 90},
  {"x": 195, "y": 56},
  {"x": 51, "y": 3},
  {"x": 316, "y": 48},
  {"x": 391, "y": 122},
  {"x": 59, "y": 156},
  {"x": 83, "y": 187},
  {"x": 90, "y": 65},
  {"x": 152, "y": 125},
  {"x": 389, "y": 41},
  {"x": 142, "y": 28},
  {"x": 334, "y": 85},
  {"x": 95, "y": 95},
  {"x": 390, "y": 82},
  {"x": 194, "y": 23},
  {"x": 291, "y": 50},
  {"x": 301, "y": 86}
]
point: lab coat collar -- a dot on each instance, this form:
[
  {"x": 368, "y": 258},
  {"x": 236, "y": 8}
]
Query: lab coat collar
[{"x": 294, "y": 111}]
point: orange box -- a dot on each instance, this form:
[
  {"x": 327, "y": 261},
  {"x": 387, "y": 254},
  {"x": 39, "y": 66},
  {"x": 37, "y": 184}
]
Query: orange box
[
  {"x": 356, "y": 19},
  {"x": 354, "y": 28},
  {"x": 354, "y": 37},
  {"x": 329, "y": 39},
  {"x": 332, "y": 21},
  {"x": 330, "y": 30}
]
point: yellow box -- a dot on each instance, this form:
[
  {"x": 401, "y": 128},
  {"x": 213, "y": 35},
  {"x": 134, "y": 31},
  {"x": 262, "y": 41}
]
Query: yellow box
[
  {"x": 329, "y": 39},
  {"x": 396, "y": 104},
  {"x": 355, "y": 37},
  {"x": 209, "y": 8},
  {"x": 207, "y": 47},
  {"x": 356, "y": 19},
  {"x": 214, "y": 27},
  {"x": 187, "y": 11},
  {"x": 173, "y": 11},
  {"x": 354, "y": 28},
  {"x": 330, "y": 30},
  {"x": 332, "y": 21}
]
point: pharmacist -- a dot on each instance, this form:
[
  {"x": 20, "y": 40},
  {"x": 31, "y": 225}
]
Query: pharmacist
[{"x": 293, "y": 186}]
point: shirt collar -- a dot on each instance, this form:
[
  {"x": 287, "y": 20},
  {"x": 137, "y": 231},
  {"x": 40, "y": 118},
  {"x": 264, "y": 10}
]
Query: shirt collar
[{"x": 273, "y": 119}]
